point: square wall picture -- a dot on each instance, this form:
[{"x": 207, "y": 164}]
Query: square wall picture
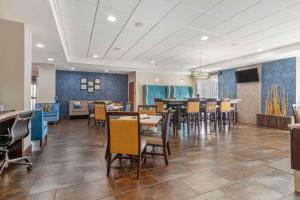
[
  {"x": 97, "y": 81},
  {"x": 97, "y": 87},
  {"x": 90, "y": 83},
  {"x": 83, "y": 80},
  {"x": 83, "y": 87},
  {"x": 90, "y": 90}
]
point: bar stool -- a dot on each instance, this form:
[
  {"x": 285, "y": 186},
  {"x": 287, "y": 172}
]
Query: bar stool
[
  {"x": 193, "y": 113},
  {"x": 225, "y": 110}
]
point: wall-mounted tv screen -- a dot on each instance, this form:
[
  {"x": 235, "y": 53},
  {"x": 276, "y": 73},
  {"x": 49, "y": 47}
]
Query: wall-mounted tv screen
[{"x": 249, "y": 75}]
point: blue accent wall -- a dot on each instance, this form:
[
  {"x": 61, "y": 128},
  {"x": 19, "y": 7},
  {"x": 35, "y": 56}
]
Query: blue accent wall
[
  {"x": 113, "y": 87},
  {"x": 281, "y": 73},
  {"x": 227, "y": 84}
]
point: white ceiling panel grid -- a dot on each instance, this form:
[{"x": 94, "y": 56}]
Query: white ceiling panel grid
[{"x": 170, "y": 31}]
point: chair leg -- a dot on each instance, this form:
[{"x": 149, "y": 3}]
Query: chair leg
[
  {"x": 188, "y": 123},
  {"x": 89, "y": 121},
  {"x": 198, "y": 121},
  {"x": 108, "y": 164},
  {"x": 41, "y": 143},
  {"x": 165, "y": 155},
  {"x": 169, "y": 150},
  {"x": 139, "y": 167}
]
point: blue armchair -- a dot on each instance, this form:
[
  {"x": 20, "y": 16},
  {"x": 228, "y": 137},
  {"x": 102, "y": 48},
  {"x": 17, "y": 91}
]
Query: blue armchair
[
  {"x": 51, "y": 116},
  {"x": 39, "y": 127}
]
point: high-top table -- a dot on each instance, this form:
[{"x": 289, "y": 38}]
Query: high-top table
[{"x": 176, "y": 104}]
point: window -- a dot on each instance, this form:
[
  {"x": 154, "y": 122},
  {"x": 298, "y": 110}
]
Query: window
[{"x": 208, "y": 88}]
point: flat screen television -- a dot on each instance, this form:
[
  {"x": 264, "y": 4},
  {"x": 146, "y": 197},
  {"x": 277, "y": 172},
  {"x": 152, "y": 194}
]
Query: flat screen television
[{"x": 245, "y": 76}]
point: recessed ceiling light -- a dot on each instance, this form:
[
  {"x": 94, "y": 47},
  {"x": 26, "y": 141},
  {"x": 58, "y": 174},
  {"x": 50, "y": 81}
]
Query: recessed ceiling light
[
  {"x": 260, "y": 50},
  {"x": 95, "y": 56},
  {"x": 39, "y": 45},
  {"x": 156, "y": 80},
  {"x": 106, "y": 70},
  {"x": 111, "y": 18},
  {"x": 204, "y": 38},
  {"x": 152, "y": 62},
  {"x": 139, "y": 24},
  {"x": 72, "y": 68},
  {"x": 51, "y": 59},
  {"x": 181, "y": 80}
]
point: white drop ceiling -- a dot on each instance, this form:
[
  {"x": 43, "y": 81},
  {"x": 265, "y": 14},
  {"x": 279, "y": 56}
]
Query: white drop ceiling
[{"x": 171, "y": 32}]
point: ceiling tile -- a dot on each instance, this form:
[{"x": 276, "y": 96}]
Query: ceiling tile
[
  {"x": 230, "y": 8},
  {"x": 77, "y": 9},
  {"x": 274, "y": 19},
  {"x": 202, "y": 5},
  {"x": 206, "y": 22},
  {"x": 226, "y": 27},
  {"x": 123, "y": 5},
  {"x": 152, "y": 9},
  {"x": 77, "y": 25}
]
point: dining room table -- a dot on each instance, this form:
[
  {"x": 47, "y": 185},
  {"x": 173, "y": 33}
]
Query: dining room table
[
  {"x": 114, "y": 107},
  {"x": 145, "y": 120}
]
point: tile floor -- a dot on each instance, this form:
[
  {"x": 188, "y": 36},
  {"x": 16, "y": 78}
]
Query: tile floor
[{"x": 241, "y": 163}]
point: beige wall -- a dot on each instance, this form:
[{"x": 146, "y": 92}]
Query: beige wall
[
  {"x": 148, "y": 78},
  {"x": 15, "y": 67},
  {"x": 298, "y": 80},
  {"x": 250, "y": 94},
  {"x": 46, "y": 83}
]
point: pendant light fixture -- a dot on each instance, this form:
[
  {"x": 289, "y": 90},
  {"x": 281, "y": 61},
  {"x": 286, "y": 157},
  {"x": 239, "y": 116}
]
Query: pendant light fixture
[{"x": 198, "y": 74}]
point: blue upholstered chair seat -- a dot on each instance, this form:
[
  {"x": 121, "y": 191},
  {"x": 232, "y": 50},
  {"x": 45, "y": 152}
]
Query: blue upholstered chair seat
[{"x": 39, "y": 127}]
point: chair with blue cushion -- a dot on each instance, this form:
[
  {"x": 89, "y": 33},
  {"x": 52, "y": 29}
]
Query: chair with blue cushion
[
  {"x": 50, "y": 111},
  {"x": 39, "y": 127}
]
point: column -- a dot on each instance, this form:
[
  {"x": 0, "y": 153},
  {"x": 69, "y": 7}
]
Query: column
[{"x": 15, "y": 67}]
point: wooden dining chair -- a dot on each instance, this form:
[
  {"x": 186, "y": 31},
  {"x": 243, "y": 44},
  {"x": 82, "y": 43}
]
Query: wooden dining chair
[
  {"x": 91, "y": 109},
  {"x": 193, "y": 113},
  {"x": 100, "y": 113},
  {"x": 147, "y": 109},
  {"x": 160, "y": 106},
  {"x": 124, "y": 138},
  {"x": 225, "y": 115},
  {"x": 211, "y": 111},
  {"x": 161, "y": 140}
]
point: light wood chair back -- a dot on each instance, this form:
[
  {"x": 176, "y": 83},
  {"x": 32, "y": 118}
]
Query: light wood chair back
[
  {"x": 211, "y": 106},
  {"x": 225, "y": 106},
  {"x": 124, "y": 134},
  {"x": 147, "y": 109},
  {"x": 193, "y": 106},
  {"x": 100, "y": 111}
]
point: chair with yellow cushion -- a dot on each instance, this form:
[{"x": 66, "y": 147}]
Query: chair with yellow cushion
[
  {"x": 193, "y": 113},
  {"x": 160, "y": 106},
  {"x": 225, "y": 109},
  {"x": 211, "y": 111},
  {"x": 100, "y": 113},
  {"x": 124, "y": 138},
  {"x": 296, "y": 111},
  {"x": 147, "y": 109},
  {"x": 161, "y": 140}
]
